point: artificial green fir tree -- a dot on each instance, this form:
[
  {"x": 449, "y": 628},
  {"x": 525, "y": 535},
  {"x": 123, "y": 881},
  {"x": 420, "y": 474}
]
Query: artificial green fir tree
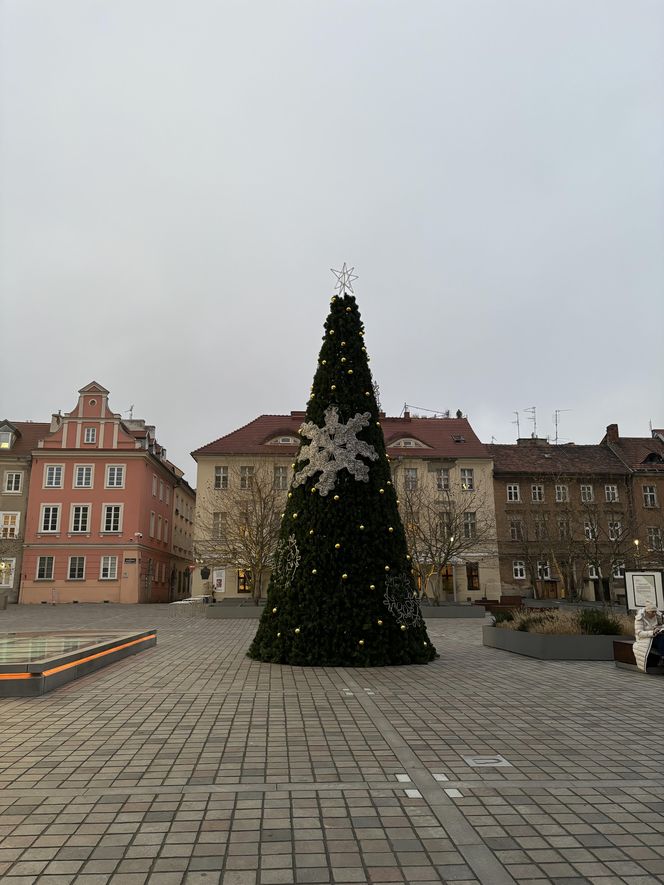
[{"x": 342, "y": 591}]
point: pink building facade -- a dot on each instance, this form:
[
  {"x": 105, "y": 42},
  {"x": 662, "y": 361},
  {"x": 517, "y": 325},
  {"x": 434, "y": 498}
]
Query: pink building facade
[{"x": 100, "y": 512}]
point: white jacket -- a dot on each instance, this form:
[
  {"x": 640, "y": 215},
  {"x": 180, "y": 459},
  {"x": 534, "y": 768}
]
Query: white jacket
[{"x": 644, "y": 630}]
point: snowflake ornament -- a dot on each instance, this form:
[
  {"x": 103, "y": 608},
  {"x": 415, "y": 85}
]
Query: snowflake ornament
[
  {"x": 334, "y": 447},
  {"x": 287, "y": 559},
  {"x": 400, "y": 602}
]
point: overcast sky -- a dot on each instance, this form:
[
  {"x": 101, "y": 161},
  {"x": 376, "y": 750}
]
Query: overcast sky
[{"x": 177, "y": 178}]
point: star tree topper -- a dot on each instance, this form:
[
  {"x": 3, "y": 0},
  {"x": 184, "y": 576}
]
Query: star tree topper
[
  {"x": 345, "y": 278},
  {"x": 333, "y": 448}
]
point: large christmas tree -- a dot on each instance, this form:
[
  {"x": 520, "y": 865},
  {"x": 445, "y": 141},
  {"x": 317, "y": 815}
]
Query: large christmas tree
[{"x": 342, "y": 591}]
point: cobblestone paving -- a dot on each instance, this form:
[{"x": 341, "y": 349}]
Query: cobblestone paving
[{"x": 189, "y": 763}]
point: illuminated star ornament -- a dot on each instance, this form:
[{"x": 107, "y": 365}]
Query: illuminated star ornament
[{"x": 345, "y": 278}]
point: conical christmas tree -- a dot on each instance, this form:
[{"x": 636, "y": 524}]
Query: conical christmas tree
[{"x": 342, "y": 592}]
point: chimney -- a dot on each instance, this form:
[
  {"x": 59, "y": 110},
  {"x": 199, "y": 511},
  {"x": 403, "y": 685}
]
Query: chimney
[
  {"x": 406, "y": 416},
  {"x": 612, "y": 434}
]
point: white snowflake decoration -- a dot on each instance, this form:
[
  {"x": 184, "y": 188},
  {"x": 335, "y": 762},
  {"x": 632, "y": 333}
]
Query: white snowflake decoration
[
  {"x": 400, "y": 600},
  {"x": 287, "y": 559},
  {"x": 333, "y": 448}
]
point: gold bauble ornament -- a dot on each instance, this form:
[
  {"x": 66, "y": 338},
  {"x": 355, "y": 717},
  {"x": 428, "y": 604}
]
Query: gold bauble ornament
[
  {"x": 388, "y": 483},
  {"x": 323, "y": 362},
  {"x": 361, "y": 528},
  {"x": 380, "y": 623},
  {"x": 297, "y": 629},
  {"x": 290, "y": 494},
  {"x": 334, "y": 387},
  {"x": 336, "y": 497},
  {"x": 343, "y": 359},
  {"x": 425, "y": 644},
  {"x": 408, "y": 556},
  {"x": 348, "y": 310},
  {"x": 295, "y": 516},
  {"x": 331, "y": 332},
  {"x": 372, "y": 586},
  {"x": 293, "y": 465},
  {"x": 313, "y": 490},
  {"x": 361, "y": 642},
  {"x": 403, "y": 626},
  {"x": 366, "y": 393},
  {"x": 274, "y": 610},
  {"x": 282, "y": 515},
  {"x": 387, "y": 568},
  {"x": 344, "y": 577},
  {"x": 311, "y": 531},
  {"x": 390, "y": 529},
  {"x": 313, "y": 571},
  {"x": 377, "y": 423},
  {"x": 381, "y": 491},
  {"x": 343, "y": 343},
  {"x": 278, "y": 635},
  {"x": 349, "y": 372},
  {"x": 337, "y": 546}
]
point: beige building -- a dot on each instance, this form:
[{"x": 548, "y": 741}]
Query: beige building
[
  {"x": 440, "y": 468},
  {"x": 17, "y": 440}
]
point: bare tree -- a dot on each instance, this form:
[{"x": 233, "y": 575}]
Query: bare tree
[
  {"x": 443, "y": 524},
  {"x": 238, "y": 526}
]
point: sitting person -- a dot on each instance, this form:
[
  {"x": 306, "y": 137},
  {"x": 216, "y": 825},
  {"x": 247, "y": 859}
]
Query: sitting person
[{"x": 648, "y": 635}]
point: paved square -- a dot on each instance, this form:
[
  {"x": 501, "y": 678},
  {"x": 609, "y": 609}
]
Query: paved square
[{"x": 190, "y": 763}]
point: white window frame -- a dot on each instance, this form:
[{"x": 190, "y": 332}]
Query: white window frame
[
  {"x": 42, "y": 514},
  {"x": 159, "y": 526},
  {"x": 649, "y": 496},
  {"x": 513, "y": 492},
  {"x": 589, "y": 530},
  {"x": 654, "y": 533},
  {"x": 115, "y": 467},
  {"x": 467, "y": 475},
  {"x": 618, "y": 570},
  {"x": 161, "y": 489},
  {"x": 593, "y": 572},
  {"x": 537, "y": 493},
  {"x": 562, "y": 493},
  {"x": 45, "y": 577},
  {"x": 410, "y": 478},
  {"x": 153, "y": 517},
  {"x": 104, "y": 508},
  {"x": 470, "y": 525},
  {"x": 53, "y": 467},
  {"x": 90, "y": 435},
  {"x": 167, "y": 493},
  {"x": 7, "y": 523},
  {"x": 587, "y": 493},
  {"x": 10, "y": 572},
  {"x": 218, "y": 525},
  {"x": 5, "y": 486},
  {"x": 165, "y": 532},
  {"x": 155, "y": 484},
  {"x": 69, "y": 574},
  {"x": 518, "y": 569},
  {"x": 280, "y": 477},
  {"x": 611, "y": 492},
  {"x": 6, "y": 439},
  {"x": 220, "y": 476},
  {"x": 72, "y": 517},
  {"x": 105, "y": 563},
  {"x": 543, "y": 570},
  {"x": 615, "y": 529},
  {"x": 516, "y": 530},
  {"x": 74, "y": 479},
  {"x": 443, "y": 479},
  {"x": 247, "y": 474}
]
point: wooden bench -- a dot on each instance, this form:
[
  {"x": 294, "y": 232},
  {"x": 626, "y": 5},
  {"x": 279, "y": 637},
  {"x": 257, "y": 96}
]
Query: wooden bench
[{"x": 623, "y": 657}]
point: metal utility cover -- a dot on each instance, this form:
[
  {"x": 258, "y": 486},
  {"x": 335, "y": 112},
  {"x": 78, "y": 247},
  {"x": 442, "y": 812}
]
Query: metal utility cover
[{"x": 487, "y": 761}]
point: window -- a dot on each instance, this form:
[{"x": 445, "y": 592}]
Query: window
[
  {"x": 589, "y": 530},
  {"x": 45, "y": 568},
  {"x": 76, "y": 568},
  {"x": 410, "y": 478},
  {"x": 50, "y": 518},
  {"x": 513, "y": 492},
  {"x": 516, "y": 530},
  {"x": 519, "y": 569},
  {"x": 654, "y": 537},
  {"x": 539, "y": 529},
  {"x": 543, "y": 570},
  {"x": 243, "y": 581},
  {"x": 90, "y": 435},
  {"x": 537, "y": 493},
  {"x": 473, "y": 575},
  {"x": 611, "y": 492},
  {"x": 80, "y": 518},
  {"x": 165, "y": 531},
  {"x": 115, "y": 476},
  {"x": 161, "y": 490},
  {"x": 155, "y": 482},
  {"x": 445, "y": 521},
  {"x": 469, "y": 524},
  {"x": 7, "y": 568},
  {"x": 246, "y": 477},
  {"x": 217, "y": 525},
  {"x": 649, "y": 496},
  {"x": 159, "y": 527},
  {"x": 615, "y": 530},
  {"x": 467, "y": 478},
  {"x": 108, "y": 570},
  {"x": 53, "y": 476},
  {"x": 112, "y": 521},
  {"x": 564, "y": 528},
  {"x": 443, "y": 479},
  {"x": 586, "y": 493},
  {"x": 593, "y": 572},
  {"x": 618, "y": 569},
  {"x": 562, "y": 494},
  {"x": 6, "y": 439},
  {"x": 221, "y": 477},
  {"x": 9, "y": 522},
  {"x": 13, "y": 482},
  {"x": 167, "y": 494},
  {"x": 152, "y": 523},
  {"x": 281, "y": 478},
  {"x": 83, "y": 476}
]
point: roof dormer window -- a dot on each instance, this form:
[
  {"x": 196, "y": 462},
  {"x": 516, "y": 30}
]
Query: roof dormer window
[
  {"x": 407, "y": 442},
  {"x": 284, "y": 441},
  {"x": 6, "y": 439}
]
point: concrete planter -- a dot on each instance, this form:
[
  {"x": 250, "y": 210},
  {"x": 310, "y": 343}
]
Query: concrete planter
[
  {"x": 234, "y": 611},
  {"x": 453, "y": 611},
  {"x": 550, "y": 648}
]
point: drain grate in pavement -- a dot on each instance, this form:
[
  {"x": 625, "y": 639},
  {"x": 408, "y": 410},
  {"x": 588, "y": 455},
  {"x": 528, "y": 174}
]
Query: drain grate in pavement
[{"x": 487, "y": 761}]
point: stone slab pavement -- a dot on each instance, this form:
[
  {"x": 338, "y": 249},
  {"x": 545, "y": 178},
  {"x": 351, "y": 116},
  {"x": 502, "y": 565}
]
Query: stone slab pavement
[{"x": 190, "y": 763}]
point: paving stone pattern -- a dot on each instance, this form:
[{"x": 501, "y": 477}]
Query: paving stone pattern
[{"x": 190, "y": 763}]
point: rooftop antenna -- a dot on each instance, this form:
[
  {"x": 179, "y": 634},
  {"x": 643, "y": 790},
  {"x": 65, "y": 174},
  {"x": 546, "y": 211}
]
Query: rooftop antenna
[
  {"x": 518, "y": 426},
  {"x": 533, "y": 418},
  {"x": 556, "y": 421},
  {"x": 493, "y": 439},
  {"x": 131, "y": 412}
]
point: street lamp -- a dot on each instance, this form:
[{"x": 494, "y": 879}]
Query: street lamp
[{"x": 636, "y": 554}]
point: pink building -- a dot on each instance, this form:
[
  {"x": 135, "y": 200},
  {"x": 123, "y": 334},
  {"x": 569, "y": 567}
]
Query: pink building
[{"x": 100, "y": 511}]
